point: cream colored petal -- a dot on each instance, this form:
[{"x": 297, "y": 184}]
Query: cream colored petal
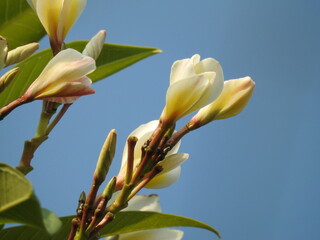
[
  {"x": 208, "y": 65},
  {"x": 95, "y": 45},
  {"x": 144, "y": 203},
  {"x": 182, "y": 95},
  {"x": 67, "y": 66},
  {"x": 143, "y": 132},
  {"x": 49, "y": 14},
  {"x": 236, "y": 96},
  {"x": 70, "y": 12},
  {"x": 153, "y": 234},
  {"x": 212, "y": 91},
  {"x": 165, "y": 179},
  {"x": 173, "y": 161},
  {"x": 181, "y": 69},
  {"x": 66, "y": 92}
]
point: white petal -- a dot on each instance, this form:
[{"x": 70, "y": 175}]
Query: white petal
[
  {"x": 212, "y": 91},
  {"x": 143, "y": 132},
  {"x": 67, "y": 65},
  {"x": 153, "y": 234},
  {"x": 70, "y": 12},
  {"x": 208, "y": 65},
  {"x": 144, "y": 203},
  {"x": 181, "y": 69},
  {"x": 165, "y": 179},
  {"x": 182, "y": 95},
  {"x": 95, "y": 45},
  {"x": 173, "y": 161},
  {"x": 49, "y": 14}
]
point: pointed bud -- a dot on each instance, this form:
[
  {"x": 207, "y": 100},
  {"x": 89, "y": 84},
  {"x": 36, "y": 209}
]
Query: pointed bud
[
  {"x": 95, "y": 45},
  {"x": 7, "y": 78},
  {"x": 193, "y": 84},
  {"x": 106, "y": 156},
  {"x": 20, "y": 53},
  {"x": 234, "y": 97},
  {"x": 109, "y": 189},
  {"x": 3, "y": 51}
]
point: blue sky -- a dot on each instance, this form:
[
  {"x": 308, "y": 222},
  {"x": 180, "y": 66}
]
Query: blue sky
[{"x": 254, "y": 176}]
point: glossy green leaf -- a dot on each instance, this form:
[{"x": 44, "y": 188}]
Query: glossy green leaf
[
  {"x": 129, "y": 221},
  {"x": 18, "y": 204},
  {"x": 112, "y": 59},
  {"x": 18, "y": 23}
]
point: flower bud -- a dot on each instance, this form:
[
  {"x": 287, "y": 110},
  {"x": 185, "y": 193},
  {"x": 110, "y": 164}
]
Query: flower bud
[
  {"x": 20, "y": 53},
  {"x": 106, "y": 156},
  {"x": 95, "y": 45},
  {"x": 57, "y": 16},
  {"x": 193, "y": 84},
  {"x": 7, "y": 78},
  {"x": 3, "y": 51},
  {"x": 64, "y": 79},
  {"x": 234, "y": 97},
  {"x": 109, "y": 189}
]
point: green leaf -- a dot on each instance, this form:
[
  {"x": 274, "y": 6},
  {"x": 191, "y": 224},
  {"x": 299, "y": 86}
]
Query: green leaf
[
  {"x": 112, "y": 59},
  {"x": 18, "y": 203},
  {"x": 18, "y": 23},
  {"x": 129, "y": 221}
]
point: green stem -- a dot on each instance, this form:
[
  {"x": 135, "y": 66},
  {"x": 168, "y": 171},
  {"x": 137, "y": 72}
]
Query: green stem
[{"x": 40, "y": 136}]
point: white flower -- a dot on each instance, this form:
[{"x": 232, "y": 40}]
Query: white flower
[
  {"x": 64, "y": 78},
  {"x": 57, "y": 16},
  {"x": 193, "y": 84},
  {"x": 148, "y": 203},
  {"x": 171, "y": 164}
]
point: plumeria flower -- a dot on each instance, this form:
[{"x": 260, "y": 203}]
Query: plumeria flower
[
  {"x": 171, "y": 164},
  {"x": 193, "y": 84},
  {"x": 64, "y": 78},
  {"x": 57, "y": 16},
  {"x": 233, "y": 99},
  {"x": 148, "y": 203}
]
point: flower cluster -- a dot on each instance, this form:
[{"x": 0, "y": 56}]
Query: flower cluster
[
  {"x": 150, "y": 157},
  {"x": 194, "y": 85}
]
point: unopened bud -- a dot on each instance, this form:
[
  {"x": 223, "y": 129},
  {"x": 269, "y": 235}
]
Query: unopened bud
[
  {"x": 106, "y": 156},
  {"x": 3, "y": 51},
  {"x": 232, "y": 100},
  {"x": 109, "y": 189},
  {"x": 7, "y": 78},
  {"x": 20, "y": 53},
  {"x": 95, "y": 45}
]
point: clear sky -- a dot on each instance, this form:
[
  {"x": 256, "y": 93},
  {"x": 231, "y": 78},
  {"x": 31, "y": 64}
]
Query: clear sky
[{"x": 254, "y": 176}]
